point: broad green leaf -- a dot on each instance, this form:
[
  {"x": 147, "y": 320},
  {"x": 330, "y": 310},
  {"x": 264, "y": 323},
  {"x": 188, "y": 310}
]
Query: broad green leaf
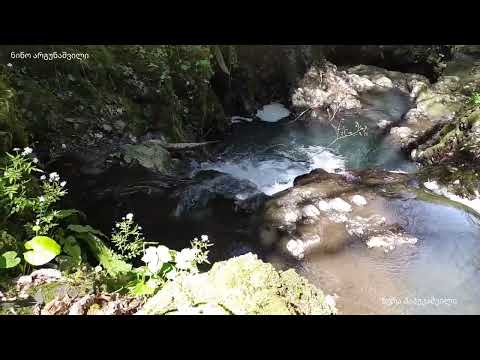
[
  {"x": 43, "y": 250},
  {"x": 71, "y": 247},
  {"x": 81, "y": 229},
  {"x": 9, "y": 260},
  {"x": 110, "y": 261},
  {"x": 65, "y": 213}
]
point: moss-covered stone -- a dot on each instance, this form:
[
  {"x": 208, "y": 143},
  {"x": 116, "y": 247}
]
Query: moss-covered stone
[
  {"x": 149, "y": 154},
  {"x": 456, "y": 141},
  {"x": 241, "y": 285}
]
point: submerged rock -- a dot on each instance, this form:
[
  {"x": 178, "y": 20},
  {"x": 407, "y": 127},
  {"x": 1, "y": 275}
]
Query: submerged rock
[
  {"x": 390, "y": 241},
  {"x": 323, "y": 211},
  {"x": 242, "y": 285},
  {"x": 209, "y": 185}
]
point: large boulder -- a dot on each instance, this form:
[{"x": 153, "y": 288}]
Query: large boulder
[
  {"x": 242, "y": 285},
  {"x": 324, "y": 86}
]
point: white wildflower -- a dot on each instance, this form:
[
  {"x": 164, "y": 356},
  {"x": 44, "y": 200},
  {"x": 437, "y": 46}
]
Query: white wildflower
[
  {"x": 163, "y": 254},
  {"x": 37, "y": 222},
  {"x": 140, "y": 228},
  {"x": 330, "y": 301},
  {"x": 41, "y": 199},
  {"x": 43, "y": 177},
  {"x": 185, "y": 258},
  {"x": 204, "y": 238},
  {"x": 98, "y": 268},
  {"x": 117, "y": 225},
  {"x": 171, "y": 275},
  {"x": 35, "y": 160},
  {"x": 151, "y": 259},
  {"x": 129, "y": 216},
  {"x": 9, "y": 65},
  {"x": 27, "y": 151},
  {"x": 54, "y": 176},
  {"x": 16, "y": 149},
  {"x": 63, "y": 183}
]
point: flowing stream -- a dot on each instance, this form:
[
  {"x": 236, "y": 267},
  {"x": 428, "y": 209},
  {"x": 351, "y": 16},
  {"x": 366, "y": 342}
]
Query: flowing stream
[{"x": 440, "y": 274}]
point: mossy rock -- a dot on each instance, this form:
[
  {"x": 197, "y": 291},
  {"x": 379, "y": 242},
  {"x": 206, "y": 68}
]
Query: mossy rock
[
  {"x": 150, "y": 154},
  {"x": 241, "y": 285}
]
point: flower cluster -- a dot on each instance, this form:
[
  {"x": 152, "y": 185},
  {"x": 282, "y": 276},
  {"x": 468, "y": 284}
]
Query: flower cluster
[
  {"x": 156, "y": 257},
  {"x": 185, "y": 260}
]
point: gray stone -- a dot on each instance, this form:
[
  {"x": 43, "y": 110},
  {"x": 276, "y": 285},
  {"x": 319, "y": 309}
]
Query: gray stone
[{"x": 149, "y": 154}]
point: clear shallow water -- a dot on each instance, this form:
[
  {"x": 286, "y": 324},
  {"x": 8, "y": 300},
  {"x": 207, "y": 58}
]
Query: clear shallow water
[{"x": 438, "y": 275}]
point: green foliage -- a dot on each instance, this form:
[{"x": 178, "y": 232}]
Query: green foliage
[
  {"x": 43, "y": 250},
  {"x": 12, "y": 127},
  {"x": 475, "y": 98},
  {"x": 111, "y": 262},
  {"x": 131, "y": 83},
  {"x": 127, "y": 238},
  {"x": 27, "y": 206}
]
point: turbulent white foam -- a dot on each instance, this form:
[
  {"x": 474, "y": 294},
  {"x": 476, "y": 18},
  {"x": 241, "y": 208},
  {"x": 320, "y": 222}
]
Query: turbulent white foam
[
  {"x": 273, "y": 112},
  {"x": 274, "y": 175}
]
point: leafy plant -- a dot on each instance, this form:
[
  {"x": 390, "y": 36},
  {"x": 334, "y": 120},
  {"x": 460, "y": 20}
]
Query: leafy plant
[
  {"x": 107, "y": 258},
  {"x": 475, "y": 98},
  {"x": 27, "y": 204},
  {"x": 128, "y": 238}
]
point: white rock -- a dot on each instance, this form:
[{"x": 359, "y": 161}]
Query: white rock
[
  {"x": 389, "y": 241},
  {"x": 401, "y": 132},
  {"x": 341, "y": 205},
  {"x": 296, "y": 248},
  {"x": 24, "y": 280},
  {"x": 431, "y": 185},
  {"x": 291, "y": 217},
  {"x": 310, "y": 211},
  {"x": 45, "y": 274},
  {"x": 359, "y": 200},
  {"x": 323, "y": 205},
  {"x": 456, "y": 182},
  {"x": 413, "y": 154},
  {"x": 382, "y": 124},
  {"x": 383, "y": 81}
]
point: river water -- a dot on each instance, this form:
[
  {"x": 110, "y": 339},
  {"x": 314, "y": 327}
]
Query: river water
[{"x": 438, "y": 275}]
